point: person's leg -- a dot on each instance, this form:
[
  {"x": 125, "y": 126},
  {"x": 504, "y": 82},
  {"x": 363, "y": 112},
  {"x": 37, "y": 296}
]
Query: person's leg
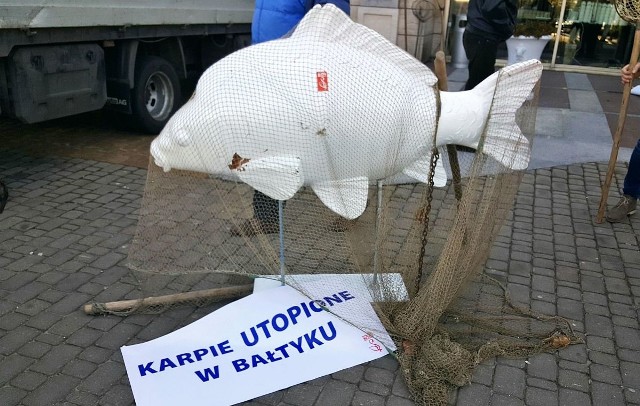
[
  {"x": 481, "y": 53},
  {"x": 626, "y": 206},
  {"x": 4, "y": 195},
  {"x": 264, "y": 220},
  {"x": 265, "y": 208},
  {"x": 632, "y": 178}
]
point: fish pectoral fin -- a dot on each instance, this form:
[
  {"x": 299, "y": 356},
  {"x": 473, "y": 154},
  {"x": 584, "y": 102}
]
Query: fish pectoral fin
[
  {"x": 420, "y": 170},
  {"x": 278, "y": 177},
  {"x": 504, "y": 140},
  {"x": 346, "y": 197}
]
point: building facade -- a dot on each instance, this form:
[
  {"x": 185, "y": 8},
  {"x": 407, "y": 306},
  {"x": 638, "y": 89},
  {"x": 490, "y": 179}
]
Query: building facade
[{"x": 586, "y": 36}]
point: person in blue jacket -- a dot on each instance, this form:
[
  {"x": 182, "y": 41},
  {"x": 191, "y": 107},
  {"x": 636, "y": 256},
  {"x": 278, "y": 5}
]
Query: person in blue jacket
[{"x": 273, "y": 19}]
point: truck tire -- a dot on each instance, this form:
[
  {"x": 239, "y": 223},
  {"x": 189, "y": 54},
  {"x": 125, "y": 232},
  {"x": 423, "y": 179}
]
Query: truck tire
[{"x": 156, "y": 93}]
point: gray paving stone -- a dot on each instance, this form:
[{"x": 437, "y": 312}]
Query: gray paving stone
[
  {"x": 27, "y": 292},
  {"x": 606, "y": 394},
  {"x": 69, "y": 324},
  {"x": 105, "y": 375},
  {"x": 367, "y": 399},
  {"x": 630, "y": 372},
  {"x": 601, "y": 358},
  {"x": 387, "y": 362},
  {"x": 302, "y": 395},
  {"x": 117, "y": 395},
  {"x": 498, "y": 399},
  {"x": 374, "y": 388},
  {"x": 398, "y": 401},
  {"x": 573, "y": 380},
  {"x": 627, "y": 338},
  {"x": 11, "y": 395},
  {"x": 483, "y": 374},
  {"x": 474, "y": 394},
  {"x": 350, "y": 375},
  {"x": 12, "y": 366},
  {"x": 568, "y": 397},
  {"x": 15, "y": 338},
  {"x": 605, "y": 374},
  {"x": 571, "y": 309},
  {"x": 596, "y": 310},
  {"x": 49, "y": 338},
  {"x": 54, "y": 389},
  {"x": 379, "y": 375},
  {"x": 542, "y": 384},
  {"x": 400, "y": 388},
  {"x": 598, "y": 325},
  {"x": 58, "y": 356},
  {"x": 95, "y": 354},
  {"x": 12, "y": 320},
  {"x": 79, "y": 368},
  {"x": 509, "y": 381},
  {"x": 543, "y": 366},
  {"x": 28, "y": 380},
  {"x": 541, "y": 397}
]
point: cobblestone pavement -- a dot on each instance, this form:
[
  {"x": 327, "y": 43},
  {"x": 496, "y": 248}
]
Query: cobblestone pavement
[{"x": 64, "y": 238}]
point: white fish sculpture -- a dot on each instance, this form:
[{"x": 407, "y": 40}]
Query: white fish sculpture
[{"x": 336, "y": 106}]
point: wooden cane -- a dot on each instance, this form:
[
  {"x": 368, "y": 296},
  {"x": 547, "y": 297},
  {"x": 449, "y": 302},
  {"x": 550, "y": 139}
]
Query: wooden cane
[{"x": 618, "y": 134}]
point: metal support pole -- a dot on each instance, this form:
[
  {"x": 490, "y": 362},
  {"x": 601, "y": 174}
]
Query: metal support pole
[
  {"x": 376, "y": 264},
  {"x": 281, "y": 233}
]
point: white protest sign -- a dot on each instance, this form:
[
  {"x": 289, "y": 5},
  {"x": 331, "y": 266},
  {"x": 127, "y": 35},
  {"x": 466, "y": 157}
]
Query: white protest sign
[
  {"x": 259, "y": 344},
  {"x": 366, "y": 289}
]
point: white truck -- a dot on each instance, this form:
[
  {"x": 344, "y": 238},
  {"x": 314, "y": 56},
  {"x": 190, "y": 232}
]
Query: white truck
[{"x": 135, "y": 57}]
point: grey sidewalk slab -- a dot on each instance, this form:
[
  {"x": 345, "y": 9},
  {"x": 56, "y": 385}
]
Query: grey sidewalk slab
[{"x": 565, "y": 137}]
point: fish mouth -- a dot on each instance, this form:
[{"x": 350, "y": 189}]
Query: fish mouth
[{"x": 158, "y": 156}]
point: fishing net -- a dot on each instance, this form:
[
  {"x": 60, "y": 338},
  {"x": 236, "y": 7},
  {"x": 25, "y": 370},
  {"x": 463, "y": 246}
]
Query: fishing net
[
  {"x": 629, "y": 10},
  {"x": 343, "y": 128}
]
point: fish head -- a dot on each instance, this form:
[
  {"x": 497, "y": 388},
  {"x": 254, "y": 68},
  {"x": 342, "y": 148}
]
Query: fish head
[{"x": 190, "y": 141}]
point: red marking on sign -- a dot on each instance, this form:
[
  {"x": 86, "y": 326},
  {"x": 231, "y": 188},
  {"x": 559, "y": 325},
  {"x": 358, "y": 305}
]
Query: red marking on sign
[
  {"x": 375, "y": 347},
  {"x": 323, "y": 81}
]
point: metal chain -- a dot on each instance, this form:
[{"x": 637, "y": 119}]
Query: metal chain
[{"x": 423, "y": 217}]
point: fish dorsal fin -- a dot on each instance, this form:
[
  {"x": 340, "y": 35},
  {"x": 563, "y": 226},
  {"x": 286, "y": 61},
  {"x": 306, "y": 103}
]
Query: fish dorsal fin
[
  {"x": 278, "y": 177},
  {"x": 327, "y": 23},
  {"x": 420, "y": 169},
  {"x": 346, "y": 197}
]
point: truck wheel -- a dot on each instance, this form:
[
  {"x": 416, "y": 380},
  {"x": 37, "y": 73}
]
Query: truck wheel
[{"x": 156, "y": 93}]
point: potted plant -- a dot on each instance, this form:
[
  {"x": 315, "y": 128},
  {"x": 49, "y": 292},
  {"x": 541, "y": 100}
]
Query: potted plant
[{"x": 528, "y": 40}]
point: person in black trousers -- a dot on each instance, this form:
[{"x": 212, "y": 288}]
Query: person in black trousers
[{"x": 489, "y": 22}]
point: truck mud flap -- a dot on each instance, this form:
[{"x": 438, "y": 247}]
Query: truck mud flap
[
  {"x": 119, "y": 96},
  {"x": 54, "y": 81}
]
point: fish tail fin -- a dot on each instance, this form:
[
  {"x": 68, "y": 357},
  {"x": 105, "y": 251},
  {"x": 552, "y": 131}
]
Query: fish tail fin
[{"x": 506, "y": 93}]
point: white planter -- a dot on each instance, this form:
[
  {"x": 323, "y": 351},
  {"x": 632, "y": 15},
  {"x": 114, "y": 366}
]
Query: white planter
[{"x": 524, "y": 48}]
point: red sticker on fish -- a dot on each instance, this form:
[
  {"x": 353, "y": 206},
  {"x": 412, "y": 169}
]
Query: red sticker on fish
[{"x": 323, "y": 81}]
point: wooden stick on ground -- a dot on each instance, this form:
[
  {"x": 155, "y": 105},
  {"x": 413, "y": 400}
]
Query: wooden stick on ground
[
  {"x": 618, "y": 134},
  {"x": 231, "y": 292}
]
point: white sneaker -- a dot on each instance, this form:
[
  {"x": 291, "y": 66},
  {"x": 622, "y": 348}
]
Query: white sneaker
[{"x": 636, "y": 90}]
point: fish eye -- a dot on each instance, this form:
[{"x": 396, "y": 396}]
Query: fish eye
[{"x": 182, "y": 137}]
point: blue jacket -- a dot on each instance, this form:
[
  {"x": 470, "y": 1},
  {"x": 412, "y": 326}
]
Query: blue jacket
[{"x": 273, "y": 19}]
